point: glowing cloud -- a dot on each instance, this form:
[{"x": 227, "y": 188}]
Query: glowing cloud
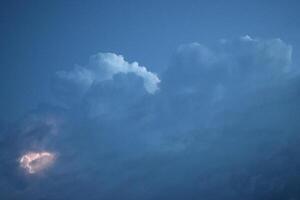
[{"x": 34, "y": 162}]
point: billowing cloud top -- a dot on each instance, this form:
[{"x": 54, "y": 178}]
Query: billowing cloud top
[
  {"x": 104, "y": 66},
  {"x": 237, "y": 62}
]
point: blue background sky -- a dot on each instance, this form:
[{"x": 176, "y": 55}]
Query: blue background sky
[{"x": 151, "y": 99}]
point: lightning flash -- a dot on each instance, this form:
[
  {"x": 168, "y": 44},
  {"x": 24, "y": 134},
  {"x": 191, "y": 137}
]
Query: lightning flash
[{"x": 34, "y": 162}]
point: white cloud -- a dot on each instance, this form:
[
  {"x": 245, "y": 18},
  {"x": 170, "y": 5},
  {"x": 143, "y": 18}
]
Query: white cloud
[{"x": 104, "y": 66}]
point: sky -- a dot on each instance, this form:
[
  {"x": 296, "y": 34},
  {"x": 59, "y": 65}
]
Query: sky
[{"x": 149, "y": 99}]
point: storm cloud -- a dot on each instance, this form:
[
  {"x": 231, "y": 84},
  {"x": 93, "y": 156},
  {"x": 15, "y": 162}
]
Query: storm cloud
[{"x": 213, "y": 126}]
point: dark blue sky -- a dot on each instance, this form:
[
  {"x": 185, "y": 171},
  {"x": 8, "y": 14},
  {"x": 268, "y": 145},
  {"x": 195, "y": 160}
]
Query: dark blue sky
[{"x": 149, "y": 100}]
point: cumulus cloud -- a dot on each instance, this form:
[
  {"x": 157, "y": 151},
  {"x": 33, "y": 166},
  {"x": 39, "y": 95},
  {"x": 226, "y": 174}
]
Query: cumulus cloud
[
  {"x": 239, "y": 61},
  {"x": 219, "y": 123},
  {"x": 104, "y": 66}
]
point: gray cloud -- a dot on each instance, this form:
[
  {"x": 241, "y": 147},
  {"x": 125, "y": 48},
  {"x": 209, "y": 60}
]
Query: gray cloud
[{"x": 239, "y": 62}]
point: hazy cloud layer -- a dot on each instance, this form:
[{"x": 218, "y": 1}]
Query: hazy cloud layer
[{"x": 223, "y": 125}]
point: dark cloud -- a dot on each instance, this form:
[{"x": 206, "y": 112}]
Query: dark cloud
[{"x": 223, "y": 125}]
